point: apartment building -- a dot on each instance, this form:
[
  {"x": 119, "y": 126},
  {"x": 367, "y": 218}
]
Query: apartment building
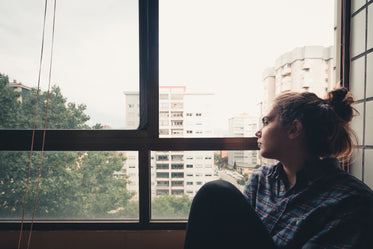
[
  {"x": 243, "y": 125},
  {"x": 309, "y": 68},
  {"x": 181, "y": 114}
]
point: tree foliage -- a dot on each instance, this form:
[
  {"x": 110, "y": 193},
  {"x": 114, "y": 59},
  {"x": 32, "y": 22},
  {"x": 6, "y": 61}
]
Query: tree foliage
[
  {"x": 243, "y": 180},
  {"x": 220, "y": 161},
  {"x": 73, "y": 184},
  {"x": 163, "y": 207},
  {"x": 171, "y": 206}
]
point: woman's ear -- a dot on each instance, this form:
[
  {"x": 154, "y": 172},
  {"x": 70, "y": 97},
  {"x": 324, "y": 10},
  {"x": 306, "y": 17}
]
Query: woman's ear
[{"x": 295, "y": 129}]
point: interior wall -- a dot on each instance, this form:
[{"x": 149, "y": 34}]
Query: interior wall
[
  {"x": 154, "y": 239},
  {"x": 361, "y": 85}
]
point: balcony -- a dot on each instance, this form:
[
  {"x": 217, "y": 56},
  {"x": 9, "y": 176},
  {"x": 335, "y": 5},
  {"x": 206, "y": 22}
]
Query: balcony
[{"x": 286, "y": 71}]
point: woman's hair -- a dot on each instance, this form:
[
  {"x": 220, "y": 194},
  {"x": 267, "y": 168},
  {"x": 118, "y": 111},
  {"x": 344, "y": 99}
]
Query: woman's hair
[{"x": 325, "y": 121}]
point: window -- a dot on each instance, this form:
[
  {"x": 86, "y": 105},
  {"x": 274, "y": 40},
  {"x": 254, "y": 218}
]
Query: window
[
  {"x": 177, "y": 183},
  {"x": 162, "y": 157},
  {"x": 147, "y": 137},
  {"x": 162, "y": 166},
  {"x": 163, "y": 183},
  {"x": 177, "y": 175},
  {"x": 177, "y": 166},
  {"x": 177, "y": 157},
  {"x": 162, "y": 192},
  {"x": 163, "y": 96},
  {"x": 177, "y": 114},
  {"x": 177, "y": 192},
  {"x": 164, "y": 105},
  {"x": 177, "y": 123},
  {"x": 163, "y": 175}
]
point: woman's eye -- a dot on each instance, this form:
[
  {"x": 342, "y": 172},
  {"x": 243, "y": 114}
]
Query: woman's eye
[{"x": 265, "y": 122}]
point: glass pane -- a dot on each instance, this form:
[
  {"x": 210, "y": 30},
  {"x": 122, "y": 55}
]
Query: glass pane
[
  {"x": 227, "y": 59},
  {"x": 74, "y": 185},
  {"x": 95, "y": 60},
  {"x": 176, "y": 176}
]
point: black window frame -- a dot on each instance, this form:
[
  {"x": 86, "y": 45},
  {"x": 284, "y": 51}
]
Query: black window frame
[{"x": 146, "y": 138}]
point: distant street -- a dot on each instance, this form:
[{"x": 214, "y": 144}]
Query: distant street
[{"x": 229, "y": 177}]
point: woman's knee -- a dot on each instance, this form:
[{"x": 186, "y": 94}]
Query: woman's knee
[{"x": 217, "y": 191}]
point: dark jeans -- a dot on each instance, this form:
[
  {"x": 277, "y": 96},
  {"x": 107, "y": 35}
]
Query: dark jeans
[{"x": 221, "y": 217}]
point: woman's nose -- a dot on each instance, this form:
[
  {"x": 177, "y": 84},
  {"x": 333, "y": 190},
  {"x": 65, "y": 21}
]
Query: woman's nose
[{"x": 258, "y": 133}]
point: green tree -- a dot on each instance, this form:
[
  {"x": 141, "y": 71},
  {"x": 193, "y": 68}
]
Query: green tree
[
  {"x": 61, "y": 114},
  {"x": 221, "y": 162},
  {"x": 243, "y": 180},
  {"x": 73, "y": 184},
  {"x": 9, "y": 105},
  {"x": 171, "y": 206}
]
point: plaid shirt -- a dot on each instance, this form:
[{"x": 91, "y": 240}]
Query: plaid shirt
[{"x": 326, "y": 208}]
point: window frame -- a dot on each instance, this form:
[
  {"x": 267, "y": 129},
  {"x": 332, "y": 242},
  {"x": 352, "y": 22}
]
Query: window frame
[{"x": 146, "y": 138}]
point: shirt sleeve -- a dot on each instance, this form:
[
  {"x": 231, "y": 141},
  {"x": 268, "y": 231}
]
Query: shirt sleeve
[{"x": 353, "y": 230}]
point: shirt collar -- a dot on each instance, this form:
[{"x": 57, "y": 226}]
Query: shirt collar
[{"x": 310, "y": 173}]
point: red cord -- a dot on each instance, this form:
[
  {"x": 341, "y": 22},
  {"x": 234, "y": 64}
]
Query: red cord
[
  {"x": 34, "y": 125},
  {"x": 34, "y": 128},
  {"x": 45, "y": 126}
]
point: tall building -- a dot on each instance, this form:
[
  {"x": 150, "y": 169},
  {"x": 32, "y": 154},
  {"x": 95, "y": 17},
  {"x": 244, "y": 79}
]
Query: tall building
[
  {"x": 243, "y": 125},
  {"x": 181, "y": 114},
  {"x": 309, "y": 68}
]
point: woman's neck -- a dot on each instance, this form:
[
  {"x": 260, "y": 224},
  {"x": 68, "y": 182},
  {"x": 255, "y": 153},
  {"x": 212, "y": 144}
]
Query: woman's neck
[{"x": 294, "y": 165}]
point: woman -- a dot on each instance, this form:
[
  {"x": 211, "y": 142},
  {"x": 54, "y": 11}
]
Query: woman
[{"x": 303, "y": 201}]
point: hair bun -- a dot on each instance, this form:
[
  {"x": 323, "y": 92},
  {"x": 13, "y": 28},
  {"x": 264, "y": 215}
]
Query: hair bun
[{"x": 340, "y": 101}]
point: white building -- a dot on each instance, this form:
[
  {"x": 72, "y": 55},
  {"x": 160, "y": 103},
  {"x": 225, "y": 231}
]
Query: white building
[
  {"x": 243, "y": 125},
  {"x": 309, "y": 68},
  {"x": 181, "y": 114}
]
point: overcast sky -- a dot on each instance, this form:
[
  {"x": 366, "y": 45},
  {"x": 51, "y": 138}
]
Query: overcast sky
[{"x": 214, "y": 46}]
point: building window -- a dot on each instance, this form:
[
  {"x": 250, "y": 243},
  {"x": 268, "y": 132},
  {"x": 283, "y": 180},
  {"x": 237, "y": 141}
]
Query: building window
[
  {"x": 177, "y": 183},
  {"x": 177, "y": 175},
  {"x": 177, "y": 166},
  {"x": 177, "y": 192},
  {"x": 163, "y": 166},
  {"x": 162, "y": 158},
  {"x": 177, "y": 157},
  {"x": 163, "y": 183},
  {"x": 162, "y": 192},
  {"x": 163, "y": 175}
]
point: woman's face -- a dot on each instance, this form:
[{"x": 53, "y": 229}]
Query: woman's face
[{"x": 272, "y": 137}]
